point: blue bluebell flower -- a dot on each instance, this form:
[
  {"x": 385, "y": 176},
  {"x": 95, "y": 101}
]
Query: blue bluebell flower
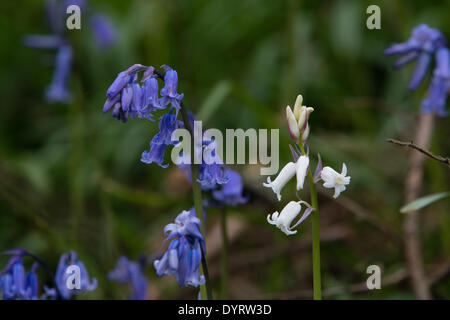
[
  {"x": 167, "y": 125},
  {"x": 131, "y": 273},
  {"x": 155, "y": 154},
  {"x": 61, "y": 276},
  {"x": 183, "y": 256},
  {"x": 151, "y": 93},
  {"x": 423, "y": 43},
  {"x": 231, "y": 192},
  {"x": 440, "y": 85},
  {"x": 16, "y": 284},
  {"x": 169, "y": 93},
  {"x": 186, "y": 224},
  {"x": 211, "y": 171}
]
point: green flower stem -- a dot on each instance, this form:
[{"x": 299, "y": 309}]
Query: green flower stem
[
  {"x": 315, "y": 232},
  {"x": 224, "y": 256},
  {"x": 205, "y": 291}
]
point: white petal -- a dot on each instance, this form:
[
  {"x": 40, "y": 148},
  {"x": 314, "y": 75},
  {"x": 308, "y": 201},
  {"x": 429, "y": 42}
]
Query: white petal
[
  {"x": 302, "y": 168},
  {"x": 344, "y": 169}
]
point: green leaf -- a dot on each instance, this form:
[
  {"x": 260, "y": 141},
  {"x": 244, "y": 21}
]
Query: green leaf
[
  {"x": 214, "y": 100},
  {"x": 423, "y": 202}
]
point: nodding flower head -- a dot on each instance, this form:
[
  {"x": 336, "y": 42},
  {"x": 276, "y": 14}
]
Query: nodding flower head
[
  {"x": 16, "y": 284},
  {"x": 283, "y": 220},
  {"x": 231, "y": 192},
  {"x": 61, "y": 277},
  {"x": 183, "y": 256},
  {"x": 280, "y": 181},
  {"x": 131, "y": 273},
  {"x": 424, "y": 41},
  {"x": 333, "y": 179}
]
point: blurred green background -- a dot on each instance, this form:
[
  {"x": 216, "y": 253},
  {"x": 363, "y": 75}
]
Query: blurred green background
[{"x": 70, "y": 176}]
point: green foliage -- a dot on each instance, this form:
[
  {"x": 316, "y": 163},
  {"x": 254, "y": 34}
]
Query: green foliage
[{"x": 70, "y": 176}]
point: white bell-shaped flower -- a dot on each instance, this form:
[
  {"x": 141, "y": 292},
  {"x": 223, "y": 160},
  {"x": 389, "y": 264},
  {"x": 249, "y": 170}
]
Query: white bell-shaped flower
[
  {"x": 284, "y": 219},
  {"x": 333, "y": 179},
  {"x": 283, "y": 177},
  {"x": 301, "y": 165}
]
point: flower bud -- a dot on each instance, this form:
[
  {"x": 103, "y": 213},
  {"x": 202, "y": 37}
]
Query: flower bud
[
  {"x": 305, "y": 133},
  {"x": 292, "y": 124},
  {"x": 297, "y": 106}
]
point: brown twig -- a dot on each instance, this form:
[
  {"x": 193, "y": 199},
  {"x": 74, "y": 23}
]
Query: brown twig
[
  {"x": 413, "y": 186},
  {"x": 444, "y": 160}
]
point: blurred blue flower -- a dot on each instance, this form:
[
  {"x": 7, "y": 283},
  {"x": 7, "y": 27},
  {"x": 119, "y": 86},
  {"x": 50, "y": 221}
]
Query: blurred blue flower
[
  {"x": 423, "y": 43},
  {"x": 86, "y": 284},
  {"x": 183, "y": 256},
  {"x": 103, "y": 29},
  {"x": 231, "y": 192},
  {"x": 440, "y": 85},
  {"x": 16, "y": 284},
  {"x": 57, "y": 91},
  {"x": 131, "y": 273}
]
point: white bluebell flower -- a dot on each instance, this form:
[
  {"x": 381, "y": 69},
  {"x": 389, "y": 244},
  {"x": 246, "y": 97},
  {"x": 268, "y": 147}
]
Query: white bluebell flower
[
  {"x": 280, "y": 181},
  {"x": 333, "y": 179},
  {"x": 283, "y": 220}
]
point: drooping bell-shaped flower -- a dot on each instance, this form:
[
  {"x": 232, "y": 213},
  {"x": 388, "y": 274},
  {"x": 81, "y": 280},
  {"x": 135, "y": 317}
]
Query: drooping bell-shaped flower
[
  {"x": 231, "y": 192},
  {"x": 211, "y": 171},
  {"x": 280, "y": 181},
  {"x": 183, "y": 256},
  {"x": 155, "y": 154},
  {"x": 186, "y": 224},
  {"x": 122, "y": 79},
  {"x": 283, "y": 220},
  {"x": 301, "y": 165},
  {"x": 62, "y": 276},
  {"x": 167, "y": 125},
  {"x": 130, "y": 273},
  {"x": 16, "y": 284},
  {"x": 151, "y": 93},
  {"x": 169, "y": 93},
  {"x": 333, "y": 179}
]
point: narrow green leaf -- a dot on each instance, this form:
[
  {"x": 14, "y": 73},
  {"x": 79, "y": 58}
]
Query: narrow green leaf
[
  {"x": 214, "y": 99},
  {"x": 423, "y": 202}
]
